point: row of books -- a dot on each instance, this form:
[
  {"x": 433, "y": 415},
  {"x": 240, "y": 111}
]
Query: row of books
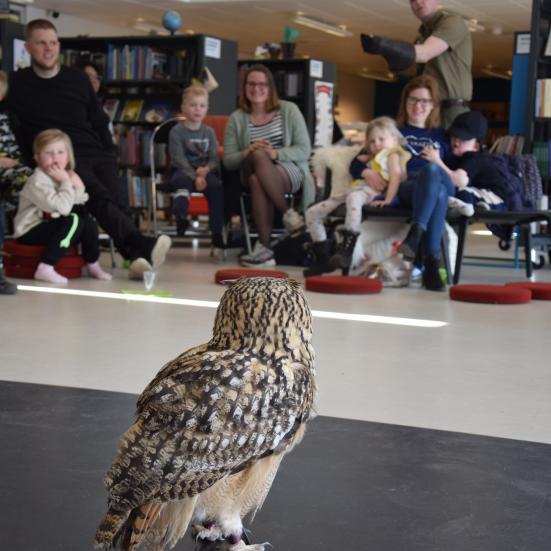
[
  {"x": 76, "y": 58},
  {"x": 134, "y": 148},
  {"x": 543, "y": 98},
  {"x": 542, "y": 152},
  {"x": 135, "y": 63},
  {"x": 139, "y": 110},
  {"x": 139, "y": 191}
]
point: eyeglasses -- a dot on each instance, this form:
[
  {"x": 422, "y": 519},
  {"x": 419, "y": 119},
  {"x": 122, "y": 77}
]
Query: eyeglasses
[
  {"x": 421, "y": 101},
  {"x": 261, "y": 85}
]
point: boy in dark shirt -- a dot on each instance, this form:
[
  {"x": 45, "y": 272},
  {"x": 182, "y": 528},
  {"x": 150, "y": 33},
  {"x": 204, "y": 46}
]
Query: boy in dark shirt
[
  {"x": 483, "y": 185},
  {"x": 195, "y": 164}
]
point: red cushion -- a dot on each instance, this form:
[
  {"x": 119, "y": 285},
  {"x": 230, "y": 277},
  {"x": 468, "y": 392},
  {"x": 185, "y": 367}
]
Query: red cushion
[
  {"x": 540, "y": 290},
  {"x": 71, "y": 261},
  {"x": 343, "y": 284},
  {"x": 18, "y": 249},
  {"x": 198, "y": 206},
  {"x": 490, "y": 294},
  {"x": 236, "y": 273}
]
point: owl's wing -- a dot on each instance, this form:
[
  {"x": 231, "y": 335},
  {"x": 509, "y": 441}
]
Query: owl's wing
[{"x": 204, "y": 416}]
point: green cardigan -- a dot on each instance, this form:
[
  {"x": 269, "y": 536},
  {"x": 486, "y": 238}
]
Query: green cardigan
[{"x": 296, "y": 144}]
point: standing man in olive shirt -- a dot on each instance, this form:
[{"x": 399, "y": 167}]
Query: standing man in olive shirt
[
  {"x": 48, "y": 95},
  {"x": 443, "y": 46}
]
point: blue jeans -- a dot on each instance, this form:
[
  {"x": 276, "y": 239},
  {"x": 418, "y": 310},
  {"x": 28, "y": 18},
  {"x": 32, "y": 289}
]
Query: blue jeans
[
  {"x": 183, "y": 186},
  {"x": 427, "y": 195}
]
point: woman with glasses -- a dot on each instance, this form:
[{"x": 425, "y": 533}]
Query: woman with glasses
[
  {"x": 267, "y": 140},
  {"x": 428, "y": 186}
]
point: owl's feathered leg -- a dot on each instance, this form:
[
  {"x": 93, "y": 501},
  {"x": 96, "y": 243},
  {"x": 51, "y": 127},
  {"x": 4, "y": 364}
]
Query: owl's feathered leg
[{"x": 221, "y": 508}]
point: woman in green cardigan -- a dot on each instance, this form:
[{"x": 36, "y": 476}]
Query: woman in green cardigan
[{"x": 267, "y": 139}]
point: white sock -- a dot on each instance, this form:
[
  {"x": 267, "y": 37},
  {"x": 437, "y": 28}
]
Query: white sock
[
  {"x": 97, "y": 272},
  {"x": 46, "y": 272}
]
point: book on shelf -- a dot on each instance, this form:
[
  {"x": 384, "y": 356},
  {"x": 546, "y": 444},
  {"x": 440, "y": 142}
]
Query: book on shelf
[
  {"x": 157, "y": 110},
  {"x": 111, "y": 107},
  {"x": 132, "y": 110},
  {"x": 542, "y": 106}
]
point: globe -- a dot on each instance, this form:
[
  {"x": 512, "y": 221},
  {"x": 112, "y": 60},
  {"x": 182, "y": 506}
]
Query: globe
[{"x": 171, "y": 21}]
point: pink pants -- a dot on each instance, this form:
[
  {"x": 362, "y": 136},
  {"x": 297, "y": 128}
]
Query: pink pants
[{"x": 354, "y": 200}]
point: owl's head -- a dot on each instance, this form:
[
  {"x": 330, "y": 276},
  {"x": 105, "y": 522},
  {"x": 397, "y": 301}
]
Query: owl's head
[{"x": 268, "y": 314}]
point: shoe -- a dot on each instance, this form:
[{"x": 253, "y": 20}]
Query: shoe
[
  {"x": 482, "y": 205},
  {"x": 322, "y": 253},
  {"x": 261, "y": 256},
  {"x": 343, "y": 257},
  {"x": 96, "y": 271},
  {"x": 217, "y": 241},
  {"x": 409, "y": 246},
  {"x": 47, "y": 273},
  {"x": 158, "y": 254},
  {"x": 137, "y": 267},
  {"x": 182, "y": 224},
  {"x": 456, "y": 206},
  {"x": 432, "y": 280},
  {"x": 6, "y": 288},
  {"x": 292, "y": 220}
]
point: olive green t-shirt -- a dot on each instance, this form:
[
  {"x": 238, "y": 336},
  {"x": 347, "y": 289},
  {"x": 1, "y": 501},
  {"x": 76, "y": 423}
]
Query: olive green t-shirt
[{"x": 452, "y": 68}]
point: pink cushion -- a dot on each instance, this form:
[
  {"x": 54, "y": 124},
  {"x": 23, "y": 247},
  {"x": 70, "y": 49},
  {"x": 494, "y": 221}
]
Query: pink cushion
[
  {"x": 490, "y": 294},
  {"x": 343, "y": 284},
  {"x": 540, "y": 290},
  {"x": 236, "y": 273}
]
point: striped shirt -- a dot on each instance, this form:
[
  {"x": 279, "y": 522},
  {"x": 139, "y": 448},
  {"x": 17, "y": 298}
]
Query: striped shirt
[{"x": 273, "y": 132}]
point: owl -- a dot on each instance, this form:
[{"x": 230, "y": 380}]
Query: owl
[{"x": 213, "y": 426}]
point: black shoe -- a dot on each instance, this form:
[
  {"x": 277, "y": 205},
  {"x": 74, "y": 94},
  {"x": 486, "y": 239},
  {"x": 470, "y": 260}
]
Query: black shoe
[
  {"x": 6, "y": 288},
  {"x": 321, "y": 251},
  {"x": 409, "y": 246},
  {"x": 182, "y": 224},
  {"x": 217, "y": 241},
  {"x": 343, "y": 257},
  {"x": 432, "y": 281}
]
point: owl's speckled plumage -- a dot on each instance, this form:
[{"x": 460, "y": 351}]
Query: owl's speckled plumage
[{"x": 213, "y": 425}]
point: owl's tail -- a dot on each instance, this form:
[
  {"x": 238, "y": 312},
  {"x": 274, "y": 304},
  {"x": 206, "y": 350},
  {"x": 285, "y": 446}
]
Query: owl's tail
[
  {"x": 126, "y": 530},
  {"x": 109, "y": 527}
]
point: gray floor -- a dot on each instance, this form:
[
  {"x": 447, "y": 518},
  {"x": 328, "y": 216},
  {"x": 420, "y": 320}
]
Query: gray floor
[{"x": 370, "y": 475}]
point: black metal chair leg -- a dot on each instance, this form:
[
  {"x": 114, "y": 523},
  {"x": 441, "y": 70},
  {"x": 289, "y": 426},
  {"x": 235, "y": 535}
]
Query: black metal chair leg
[{"x": 462, "y": 225}]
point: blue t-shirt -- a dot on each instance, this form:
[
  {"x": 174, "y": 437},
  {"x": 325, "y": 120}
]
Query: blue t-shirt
[{"x": 419, "y": 138}]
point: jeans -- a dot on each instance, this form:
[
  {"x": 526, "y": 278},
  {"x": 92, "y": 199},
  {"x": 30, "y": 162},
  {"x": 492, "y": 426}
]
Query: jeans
[
  {"x": 183, "y": 186},
  {"x": 427, "y": 195}
]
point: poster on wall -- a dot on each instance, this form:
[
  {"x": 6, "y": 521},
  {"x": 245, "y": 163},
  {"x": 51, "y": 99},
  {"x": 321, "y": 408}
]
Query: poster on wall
[
  {"x": 323, "y": 94},
  {"x": 21, "y": 57}
]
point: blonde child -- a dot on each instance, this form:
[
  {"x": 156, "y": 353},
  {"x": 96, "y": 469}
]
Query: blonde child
[
  {"x": 195, "y": 163},
  {"x": 51, "y": 209},
  {"x": 377, "y": 171}
]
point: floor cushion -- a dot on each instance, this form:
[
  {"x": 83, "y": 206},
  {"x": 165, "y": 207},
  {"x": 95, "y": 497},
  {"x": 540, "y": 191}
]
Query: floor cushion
[
  {"x": 235, "y": 273},
  {"x": 540, "y": 290},
  {"x": 343, "y": 284},
  {"x": 490, "y": 294},
  {"x": 22, "y": 260}
]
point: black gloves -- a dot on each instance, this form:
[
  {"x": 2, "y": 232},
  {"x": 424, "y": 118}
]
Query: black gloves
[{"x": 398, "y": 54}]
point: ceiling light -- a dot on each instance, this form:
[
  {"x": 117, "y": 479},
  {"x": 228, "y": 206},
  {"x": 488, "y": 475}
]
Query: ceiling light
[
  {"x": 322, "y": 26},
  {"x": 497, "y": 72},
  {"x": 384, "y": 76},
  {"x": 473, "y": 25}
]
